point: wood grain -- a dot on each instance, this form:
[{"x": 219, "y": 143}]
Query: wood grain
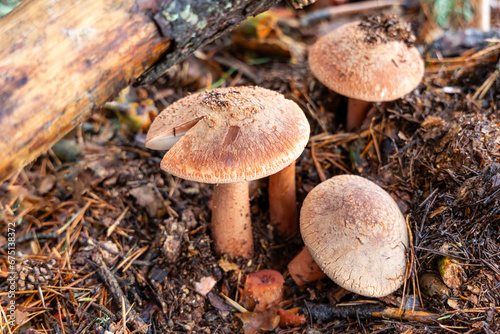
[{"x": 59, "y": 60}]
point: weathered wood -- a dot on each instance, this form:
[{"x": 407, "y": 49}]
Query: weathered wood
[
  {"x": 60, "y": 60},
  {"x": 210, "y": 19}
]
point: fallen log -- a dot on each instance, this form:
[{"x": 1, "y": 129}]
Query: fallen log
[{"x": 61, "y": 60}]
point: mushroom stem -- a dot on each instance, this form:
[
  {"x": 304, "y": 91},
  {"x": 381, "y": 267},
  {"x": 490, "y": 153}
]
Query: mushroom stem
[
  {"x": 356, "y": 113},
  {"x": 303, "y": 269},
  {"x": 231, "y": 220},
  {"x": 283, "y": 201}
]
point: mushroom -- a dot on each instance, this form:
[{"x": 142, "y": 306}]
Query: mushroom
[
  {"x": 228, "y": 136},
  {"x": 367, "y": 62},
  {"x": 357, "y": 235},
  {"x": 262, "y": 290}
]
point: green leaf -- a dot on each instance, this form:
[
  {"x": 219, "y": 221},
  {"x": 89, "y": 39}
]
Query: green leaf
[{"x": 7, "y": 5}]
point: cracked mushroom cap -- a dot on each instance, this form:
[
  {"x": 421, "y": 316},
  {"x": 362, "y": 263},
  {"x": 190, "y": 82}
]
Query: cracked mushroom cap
[
  {"x": 229, "y": 135},
  {"x": 348, "y": 64},
  {"x": 356, "y": 233}
]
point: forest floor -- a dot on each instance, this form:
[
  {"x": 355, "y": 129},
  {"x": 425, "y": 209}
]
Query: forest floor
[{"x": 104, "y": 238}]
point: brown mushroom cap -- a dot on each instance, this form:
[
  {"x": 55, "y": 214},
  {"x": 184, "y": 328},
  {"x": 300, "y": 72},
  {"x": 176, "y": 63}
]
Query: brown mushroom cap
[
  {"x": 356, "y": 233},
  {"x": 380, "y": 71},
  {"x": 229, "y": 135}
]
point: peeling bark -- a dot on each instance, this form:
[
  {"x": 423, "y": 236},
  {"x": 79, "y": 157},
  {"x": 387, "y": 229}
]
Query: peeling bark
[{"x": 209, "y": 19}]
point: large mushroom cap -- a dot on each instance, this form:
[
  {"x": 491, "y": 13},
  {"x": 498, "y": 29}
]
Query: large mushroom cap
[
  {"x": 229, "y": 135},
  {"x": 348, "y": 64},
  {"x": 356, "y": 233}
]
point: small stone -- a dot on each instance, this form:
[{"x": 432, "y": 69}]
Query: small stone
[{"x": 205, "y": 285}]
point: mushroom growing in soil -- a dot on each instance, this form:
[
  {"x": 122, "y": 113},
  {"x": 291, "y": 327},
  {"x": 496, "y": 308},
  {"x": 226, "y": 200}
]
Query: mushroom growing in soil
[
  {"x": 228, "y": 136},
  {"x": 357, "y": 235},
  {"x": 262, "y": 290},
  {"x": 368, "y": 61}
]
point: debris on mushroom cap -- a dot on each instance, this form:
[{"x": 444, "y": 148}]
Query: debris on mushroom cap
[
  {"x": 263, "y": 289},
  {"x": 348, "y": 62},
  {"x": 356, "y": 233},
  {"x": 229, "y": 135},
  {"x": 382, "y": 29}
]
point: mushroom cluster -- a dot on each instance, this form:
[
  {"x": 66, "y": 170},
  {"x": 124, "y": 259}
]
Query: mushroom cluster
[
  {"x": 366, "y": 68},
  {"x": 228, "y": 136},
  {"x": 355, "y": 232}
]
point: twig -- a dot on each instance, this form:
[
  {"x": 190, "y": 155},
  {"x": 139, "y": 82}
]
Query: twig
[
  {"x": 31, "y": 236},
  {"x": 60, "y": 315},
  {"x": 327, "y": 313},
  {"x": 481, "y": 91},
  {"x": 321, "y": 174},
  {"x": 375, "y": 144},
  {"x": 428, "y": 198},
  {"x": 314, "y": 112},
  {"x": 41, "y": 296},
  {"x": 74, "y": 219},
  {"x": 117, "y": 221},
  {"x": 134, "y": 320},
  {"x": 131, "y": 258},
  {"x": 6, "y": 321},
  {"x": 103, "y": 246},
  {"x": 234, "y": 304},
  {"x": 231, "y": 61},
  {"x": 104, "y": 309},
  {"x": 338, "y": 165}
]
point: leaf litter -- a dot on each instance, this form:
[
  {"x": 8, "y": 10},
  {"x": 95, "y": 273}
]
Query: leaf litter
[{"x": 107, "y": 243}]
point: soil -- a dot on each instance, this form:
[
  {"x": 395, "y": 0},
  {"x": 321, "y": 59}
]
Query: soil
[{"x": 108, "y": 243}]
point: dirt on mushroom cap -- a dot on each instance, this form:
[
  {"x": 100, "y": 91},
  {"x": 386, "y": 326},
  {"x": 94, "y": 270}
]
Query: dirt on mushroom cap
[
  {"x": 348, "y": 64},
  {"x": 356, "y": 234},
  {"x": 382, "y": 29},
  {"x": 244, "y": 133}
]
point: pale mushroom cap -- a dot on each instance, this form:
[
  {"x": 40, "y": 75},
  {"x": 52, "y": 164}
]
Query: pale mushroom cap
[
  {"x": 356, "y": 233},
  {"x": 231, "y": 135},
  {"x": 344, "y": 62}
]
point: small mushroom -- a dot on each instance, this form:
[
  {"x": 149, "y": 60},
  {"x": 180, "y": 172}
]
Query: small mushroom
[
  {"x": 229, "y": 136},
  {"x": 357, "y": 235},
  {"x": 365, "y": 69},
  {"x": 262, "y": 290}
]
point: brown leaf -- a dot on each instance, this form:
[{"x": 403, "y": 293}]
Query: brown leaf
[
  {"x": 254, "y": 322},
  {"x": 47, "y": 184},
  {"x": 218, "y": 303},
  {"x": 21, "y": 317},
  {"x": 147, "y": 198}
]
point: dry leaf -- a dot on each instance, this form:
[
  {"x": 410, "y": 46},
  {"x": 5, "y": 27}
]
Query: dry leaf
[
  {"x": 255, "y": 322},
  {"x": 147, "y": 198},
  {"x": 227, "y": 265}
]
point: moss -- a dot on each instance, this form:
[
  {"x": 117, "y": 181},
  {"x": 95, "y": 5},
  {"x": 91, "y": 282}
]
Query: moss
[{"x": 188, "y": 16}]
